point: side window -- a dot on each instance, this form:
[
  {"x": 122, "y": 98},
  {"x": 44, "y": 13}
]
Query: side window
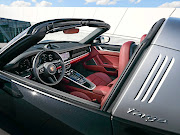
[{"x": 114, "y": 43}]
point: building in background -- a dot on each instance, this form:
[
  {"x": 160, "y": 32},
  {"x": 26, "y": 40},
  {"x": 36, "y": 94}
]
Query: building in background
[
  {"x": 127, "y": 24},
  {"x": 10, "y": 28}
]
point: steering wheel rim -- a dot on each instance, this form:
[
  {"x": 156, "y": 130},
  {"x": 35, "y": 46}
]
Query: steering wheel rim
[{"x": 47, "y": 73}]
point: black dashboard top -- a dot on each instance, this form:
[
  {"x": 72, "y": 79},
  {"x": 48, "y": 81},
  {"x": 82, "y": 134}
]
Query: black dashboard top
[{"x": 58, "y": 46}]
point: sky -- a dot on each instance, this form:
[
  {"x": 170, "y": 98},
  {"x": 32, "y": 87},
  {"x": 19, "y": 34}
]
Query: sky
[{"x": 90, "y": 3}]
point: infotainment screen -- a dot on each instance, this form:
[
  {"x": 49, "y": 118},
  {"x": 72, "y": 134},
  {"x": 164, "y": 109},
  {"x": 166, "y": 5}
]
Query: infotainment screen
[{"x": 65, "y": 56}]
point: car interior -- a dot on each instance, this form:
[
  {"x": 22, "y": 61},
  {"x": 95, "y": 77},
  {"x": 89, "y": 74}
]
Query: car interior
[{"x": 83, "y": 70}]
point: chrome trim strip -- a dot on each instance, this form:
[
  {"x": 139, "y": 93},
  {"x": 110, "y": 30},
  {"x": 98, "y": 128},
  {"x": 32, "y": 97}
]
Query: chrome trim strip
[
  {"x": 162, "y": 80},
  {"x": 155, "y": 79},
  {"x": 26, "y": 76},
  {"x": 148, "y": 78},
  {"x": 109, "y": 50},
  {"x": 100, "y": 48},
  {"x": 40, "y": 92},
  {"x": 90, "y": 49},
  {"x": 94, "y": 61}
]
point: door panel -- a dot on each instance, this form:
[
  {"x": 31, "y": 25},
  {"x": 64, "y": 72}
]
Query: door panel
[
  {"x": 43, "y": 113},
  {"x": 60, "y": 117},
  {"x": 102, "y": 61},
  {"x": 109, "y": 59},
  {"x": 13, "y": 103}
]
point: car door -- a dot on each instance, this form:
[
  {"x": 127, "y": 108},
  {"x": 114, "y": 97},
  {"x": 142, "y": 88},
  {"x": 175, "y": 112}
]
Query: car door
[
  {"x": 40, "y": 112},
  {"x": 7, "y": 105},
  {"x": 16, "y": 105},
  {"x": 103, "y": 58}
]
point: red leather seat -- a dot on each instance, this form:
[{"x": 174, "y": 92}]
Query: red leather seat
[
  {"x": 143, "y": 37},
  {"x": 101, "y": 79},
  {"x": 81, "y": 95}
]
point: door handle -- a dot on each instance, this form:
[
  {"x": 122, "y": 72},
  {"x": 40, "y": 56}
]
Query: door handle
[{"x": 12, "y": 90}]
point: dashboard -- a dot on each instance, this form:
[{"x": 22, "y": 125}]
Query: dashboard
[
  {"x": 65, "y": 56},
  {"x": 69, "y": 52},
  {"x": 27, "y": 63}
]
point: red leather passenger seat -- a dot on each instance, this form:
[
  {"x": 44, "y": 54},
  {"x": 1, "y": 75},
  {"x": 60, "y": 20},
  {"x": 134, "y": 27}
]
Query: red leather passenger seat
[
  {"x": 143, "y": 37},
  {"x": 103, "y": 80}
]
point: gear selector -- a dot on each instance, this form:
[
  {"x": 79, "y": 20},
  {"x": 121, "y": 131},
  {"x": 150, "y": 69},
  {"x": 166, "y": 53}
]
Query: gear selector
[{"x": 79, "y": 79}]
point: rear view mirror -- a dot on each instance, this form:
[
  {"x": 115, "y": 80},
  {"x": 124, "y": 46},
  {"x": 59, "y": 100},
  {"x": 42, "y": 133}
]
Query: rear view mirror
[{"x": 71, "y": 31}]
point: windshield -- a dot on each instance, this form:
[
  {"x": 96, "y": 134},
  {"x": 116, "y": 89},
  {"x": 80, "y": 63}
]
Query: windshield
[{"x": 76, "y": 37}]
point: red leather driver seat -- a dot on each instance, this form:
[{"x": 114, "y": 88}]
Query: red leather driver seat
[{"x": 101, "y": 79}]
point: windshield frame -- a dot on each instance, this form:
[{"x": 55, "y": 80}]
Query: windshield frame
[{"x": 79, "y": 37}]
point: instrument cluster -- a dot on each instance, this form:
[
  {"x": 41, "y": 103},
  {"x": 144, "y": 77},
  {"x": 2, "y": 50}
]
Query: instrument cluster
[
  {"x": 46, "y": 58},
  {"x": 27, "y": 62}
]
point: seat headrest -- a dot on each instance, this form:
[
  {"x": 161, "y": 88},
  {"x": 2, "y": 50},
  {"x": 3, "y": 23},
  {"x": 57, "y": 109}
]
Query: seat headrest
[
  {"x": 124, "y": 55},
  {"x": 143, "y": 37}
]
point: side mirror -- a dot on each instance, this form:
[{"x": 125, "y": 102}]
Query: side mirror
[
  {"x": 102, "y": 39},
  {"x": 71, "y": 31}
]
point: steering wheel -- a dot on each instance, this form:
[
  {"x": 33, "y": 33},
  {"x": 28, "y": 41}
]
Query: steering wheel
[{"x": 51, "y": 72}]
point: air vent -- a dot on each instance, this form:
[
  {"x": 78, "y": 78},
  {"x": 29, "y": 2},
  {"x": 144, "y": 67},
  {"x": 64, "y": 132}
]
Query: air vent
[
  {"x": 162, "y": 80},
  {"x": 155, "y": 79}
]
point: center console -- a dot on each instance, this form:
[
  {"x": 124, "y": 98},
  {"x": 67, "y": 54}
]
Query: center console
[{"x": 79, "y": 79}]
